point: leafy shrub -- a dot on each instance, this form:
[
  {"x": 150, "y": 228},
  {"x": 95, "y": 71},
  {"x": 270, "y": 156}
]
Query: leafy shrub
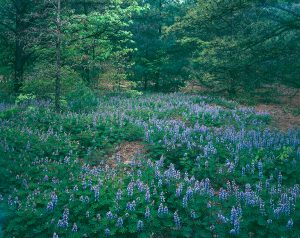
[
  {"x": 81, "y": 98},
  {"x": 9, "y": 113},
  {"x": 133, "y": 93},
  {"x": 25, "y": 98},
  {"x": 41, "y": 81},
  {"x": 6, "y": 90}
]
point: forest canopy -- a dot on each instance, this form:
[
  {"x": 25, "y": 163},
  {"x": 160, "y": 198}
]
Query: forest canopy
[{"x": 49, "y": 47}]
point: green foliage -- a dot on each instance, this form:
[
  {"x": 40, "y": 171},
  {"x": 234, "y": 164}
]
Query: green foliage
[
  {"x": 81, "y": 98},
  {"x": 158, "y": 65},
  {"x": 41, "y": 81},
  {"x": 9, "y": 113},
  {"x": 6, "y": 90},
  {"x": 72, "y": 155},
  {"x": 238, "y": 45},
  {"x": 25, "y": 98},
  {"x": 133, "y": 93}
]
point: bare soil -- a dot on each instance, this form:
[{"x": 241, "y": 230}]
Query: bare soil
[
  {"x": 282, "y": 112},
  {"x": 283, "y": 119},
  {"x": 128, "y": 150}
]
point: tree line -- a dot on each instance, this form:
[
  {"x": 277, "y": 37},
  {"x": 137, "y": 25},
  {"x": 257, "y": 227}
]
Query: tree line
[{"x": 52, "y": 47}]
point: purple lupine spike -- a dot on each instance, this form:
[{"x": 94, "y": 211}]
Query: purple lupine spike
[
  {"x": 109, "y": 215},
  {"x": 160, "y": 210},
  {"x": 120, "y": 222},
  {"x": 64, "y": 222},
  {"x": 179, "y": 190},
  {"x": 107, "y": 232},
  {"x": 290, "y": 224},
  {"x": 162, "y": 197},
  {"x": 193, "y": 214},
  {"x": 147, "y": 195},
  {"x": 177, "y": 220},
  {"x": 74, "y": 228},
  {"x": 119, "y": 194},
  {"x": 185, "y": 202},
  {"x": 147, "y": 213},
  {"x": 189, "y": 193},
  {"x": 140, "y": 225}
]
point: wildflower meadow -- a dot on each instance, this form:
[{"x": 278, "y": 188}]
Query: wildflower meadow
[{"x": 208, "y": 168}]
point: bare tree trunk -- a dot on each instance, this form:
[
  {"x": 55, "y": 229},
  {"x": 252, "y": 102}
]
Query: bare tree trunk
[
  {"x": 58, "y": 57},
  {"x": 19, "y": 47},
  {"x": 158, "y": 74},
  {"x": 19, "y": 65},
  {"x": 145, "y": 79},
  {"x": 160, "y": 18}
]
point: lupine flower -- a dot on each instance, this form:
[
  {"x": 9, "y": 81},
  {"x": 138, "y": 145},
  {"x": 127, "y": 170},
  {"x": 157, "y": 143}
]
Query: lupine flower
[
  {"x": 234, "y": 218},
  {"x": 74, "y": 228},
  {"x": 179, "y": 190},
  {"x": 64, "y": 222},
  {"x": 109, "y": 215},
  {"x": 193, "y": 214},
  {"x": 185, "y": 201},
  {"x": 130, "y": 189},
  {"x": 97, "y": 193},
  {"x": 162, "y": 197},
  {"x": 140, "y": 186},
  {"x": 54, "y": 198},
  {"x": 189, "y": 193},
  {"x": 166, "y": 210},
  {"x": 159, "y": 184},
  {"x": 269, "y": 221},
  {"x": 279, "y": 179},
  {"x": 119, "y": 195},
  {"x": 160, "y": 210},
  {"x": 107, "y": 232},
  {"x": 140, "y": 225},
  {"x": 290, "y": 224},
  {"x": 147, "y": 195},
  {"x": 223, "y": 194},
  {"x": 206, "y": 164},
  {"x": 177, "y": 220},
  {"x": 139, "y": 173},
  {"x": 147, "y": 213},
  {"x": 262, "y": 208},
  {"x": 50, "y": 206},
  {"x": 222, "y": 218},
  {"x": 119, "y": 222},
  {"x": 243, "y": 171}
]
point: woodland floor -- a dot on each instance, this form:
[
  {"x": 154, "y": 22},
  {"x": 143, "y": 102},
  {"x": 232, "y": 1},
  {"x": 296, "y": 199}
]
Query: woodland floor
[{"x": 282, "y": 102}]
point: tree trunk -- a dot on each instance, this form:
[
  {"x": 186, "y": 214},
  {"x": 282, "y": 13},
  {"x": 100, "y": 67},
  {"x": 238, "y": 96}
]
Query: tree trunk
[
  {"x": 58, "y": 57},
  {"x": 232, "y": 90},
  {"x": 145, "y": 79},
  {"x": 19, "y": 48},
  {"x": 19, "y": 65},
  {"x": 160, "y": 18}
]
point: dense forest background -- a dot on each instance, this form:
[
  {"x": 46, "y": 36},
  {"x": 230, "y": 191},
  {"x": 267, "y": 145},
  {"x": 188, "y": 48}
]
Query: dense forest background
[
  {"x": 61, "y": 49},
  {"x": 149, "y": 118}
]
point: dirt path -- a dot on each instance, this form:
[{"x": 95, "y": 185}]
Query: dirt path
[
  {"x": 282, "y": 119},
  {"x": 126, "y": 152}
]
